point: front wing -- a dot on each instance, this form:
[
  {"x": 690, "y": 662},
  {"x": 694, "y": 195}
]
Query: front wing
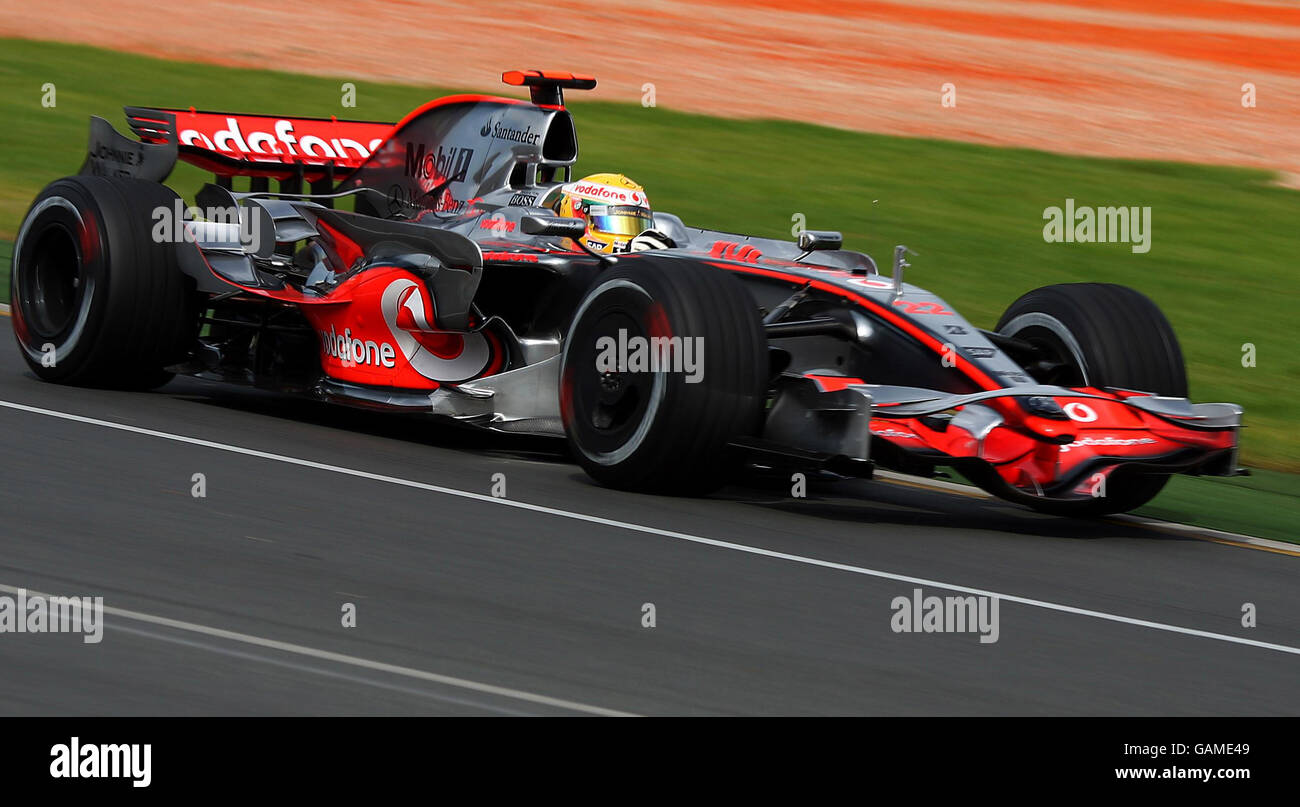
[{"x": 1038, "y": 440}]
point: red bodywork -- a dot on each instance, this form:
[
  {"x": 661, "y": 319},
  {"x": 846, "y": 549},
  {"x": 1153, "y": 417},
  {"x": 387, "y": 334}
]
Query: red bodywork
[{"x": 1028, "y": 451}]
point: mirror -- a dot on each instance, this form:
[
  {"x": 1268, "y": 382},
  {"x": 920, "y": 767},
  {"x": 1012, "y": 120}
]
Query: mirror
[
  {"x": 553, "y": 225},
  {"x": 816, "y": 240}
]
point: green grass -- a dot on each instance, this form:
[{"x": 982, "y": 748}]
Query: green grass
[
  {"x": 6, "y": 255},
  {"x": 1223, "y": 262},
  {"x": 1266, "y": 504}
]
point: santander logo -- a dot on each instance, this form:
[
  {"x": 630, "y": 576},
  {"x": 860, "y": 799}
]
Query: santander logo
[{"x": 439, "y": 355}]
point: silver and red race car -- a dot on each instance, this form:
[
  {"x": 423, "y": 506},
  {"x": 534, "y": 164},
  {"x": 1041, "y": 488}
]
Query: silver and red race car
[{"x": 448, "y": 290}]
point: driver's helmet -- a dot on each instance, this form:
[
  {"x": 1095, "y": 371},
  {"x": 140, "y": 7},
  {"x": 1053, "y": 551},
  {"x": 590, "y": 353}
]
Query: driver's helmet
[{"x": 615, "y": 208}]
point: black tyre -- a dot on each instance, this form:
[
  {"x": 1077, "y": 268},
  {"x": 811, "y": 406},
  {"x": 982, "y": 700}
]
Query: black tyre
[
  {"x": 1100, "y": 335},
  {"x": 666, "y": 430},
  {"x": 96, "y": 300}
]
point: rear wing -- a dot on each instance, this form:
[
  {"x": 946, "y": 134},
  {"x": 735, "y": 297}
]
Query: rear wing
[
  {"x": 300, "y": 151},
  {"x": 261, "y": 146}
]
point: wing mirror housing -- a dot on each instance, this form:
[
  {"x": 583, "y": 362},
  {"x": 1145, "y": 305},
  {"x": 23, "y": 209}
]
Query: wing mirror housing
[
  {"x": 561, "y": 226},
  {"x": 818, "y": 240},
  {"x": 811, "y": 241}
]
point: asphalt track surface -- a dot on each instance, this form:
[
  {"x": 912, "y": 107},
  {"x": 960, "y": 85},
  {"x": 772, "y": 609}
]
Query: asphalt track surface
[{"x": 231, "y": 604}]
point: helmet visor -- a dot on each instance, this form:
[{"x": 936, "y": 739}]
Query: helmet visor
[{"x": 630, "y": 220}]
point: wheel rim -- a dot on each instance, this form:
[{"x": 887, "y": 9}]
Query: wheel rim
[
  {"x": 53, "y": 283},
  {"x": 53, "y": 286},
  {"x": 610, "y": 411},
  {"x": 1062, "y": 363},
  {"x": 616, "y": 399}
]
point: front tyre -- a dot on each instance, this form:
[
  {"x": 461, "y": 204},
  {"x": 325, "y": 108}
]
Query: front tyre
[
  {"x": 1100, "y": 335},
  {"x": 96, "y": 300},
  {"x": 642, "y": 416}
]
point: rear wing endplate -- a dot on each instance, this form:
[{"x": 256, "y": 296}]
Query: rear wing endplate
[{"x": 112, "y": 154}]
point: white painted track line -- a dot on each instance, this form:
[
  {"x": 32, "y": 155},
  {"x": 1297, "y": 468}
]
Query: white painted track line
[
  {"x": 343, "y": 658},
  {"x": 640, "y": 528}
]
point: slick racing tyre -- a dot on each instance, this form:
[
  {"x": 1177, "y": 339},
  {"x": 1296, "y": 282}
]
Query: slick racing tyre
[
  {"x": 1100, "y": 335},
  {"x": 96, "y": 301},
  {"x": 642, "y": 417}
]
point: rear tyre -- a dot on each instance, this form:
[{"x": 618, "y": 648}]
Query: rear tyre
[
  {"x": 667, "y": 430},
  {"x": 96, "y": 300},
  {"x": 1100, "y": 335}
]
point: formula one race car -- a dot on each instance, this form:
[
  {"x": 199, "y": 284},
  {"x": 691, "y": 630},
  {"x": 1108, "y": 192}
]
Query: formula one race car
[{"x": 448, "y": 289}]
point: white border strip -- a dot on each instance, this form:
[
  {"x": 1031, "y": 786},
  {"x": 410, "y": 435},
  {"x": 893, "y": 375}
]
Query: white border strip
[
  {"x": 1190, "y": 530},
  {"x": 1210, "y": 534},
  {"x": 932, "y": 484}
]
